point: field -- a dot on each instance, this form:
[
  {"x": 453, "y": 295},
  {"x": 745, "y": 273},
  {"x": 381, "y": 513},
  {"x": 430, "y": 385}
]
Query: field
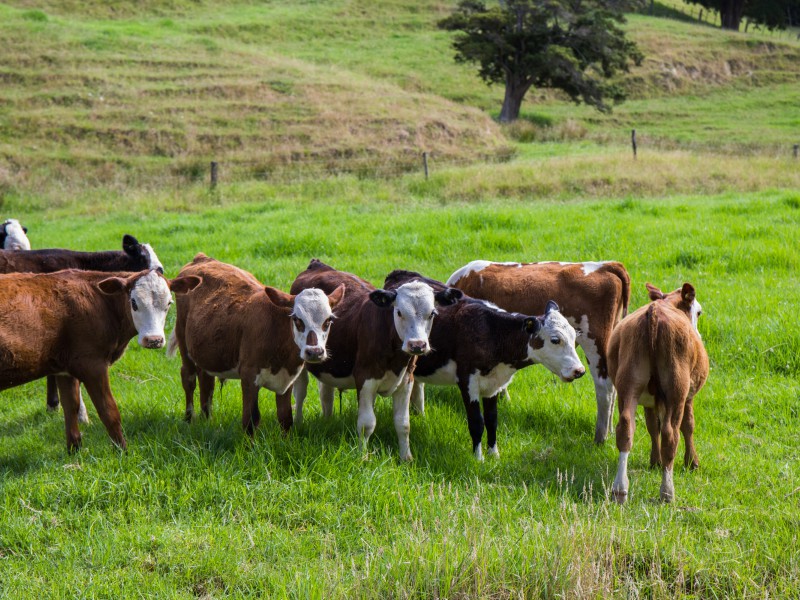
[{"x": 318, "y": 113}]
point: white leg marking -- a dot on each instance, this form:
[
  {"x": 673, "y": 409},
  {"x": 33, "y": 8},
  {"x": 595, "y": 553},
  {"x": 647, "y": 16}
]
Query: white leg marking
[
  {"x": 667, "y": 486},
  {"x": 300, "y": 391},
  {"x": 620, "y": 488},
  {"x": 605, "y": 393},
  {"x": 402, "y": 421},
  {"x": 83, "y": 416},
  {"x": 366, "y": 412},
  {"x": 326, "y": 393},
  {"x": 478, "y": 453},
  {"x": 493, "y": 451},
  {"x": 418, "y": 397}
]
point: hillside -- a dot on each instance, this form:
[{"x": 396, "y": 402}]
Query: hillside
[{"x": 95, "y": 93}]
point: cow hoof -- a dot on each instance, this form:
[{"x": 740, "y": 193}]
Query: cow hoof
[
  {"x": 667, "y": 496},
  {"x": 620, "y": 496},
  {"x": 493, "y": 452},
  {"x": 478, "y": 453},
  {"x": 407, "y": 457},
  {"x": 52, "y": 408}
]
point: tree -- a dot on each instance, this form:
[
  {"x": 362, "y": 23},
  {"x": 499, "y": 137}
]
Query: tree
[
  {"x": 774, "y": 14},
  {"x": 572, "y": 45}
]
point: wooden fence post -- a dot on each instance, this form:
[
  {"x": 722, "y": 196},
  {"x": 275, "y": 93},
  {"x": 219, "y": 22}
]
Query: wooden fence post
[
  {"x": 214, "y": 173},
  {"x": 425, "y": 163},
  {"x": 633, "y": 142},
  {"x": 796, "y": 150}
]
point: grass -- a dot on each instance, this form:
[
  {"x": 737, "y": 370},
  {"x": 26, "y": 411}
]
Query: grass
[{"x": 196, "y": 510}]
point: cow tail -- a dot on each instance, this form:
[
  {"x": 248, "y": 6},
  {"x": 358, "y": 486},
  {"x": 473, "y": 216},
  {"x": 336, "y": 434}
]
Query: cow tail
[
  {"x": 652, "y": 349},
  {"x": 172, "y": 345},
  {"x": 619, "y": 270}
]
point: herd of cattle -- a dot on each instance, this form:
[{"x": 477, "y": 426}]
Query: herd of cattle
[{"x": 69, "y": 315}]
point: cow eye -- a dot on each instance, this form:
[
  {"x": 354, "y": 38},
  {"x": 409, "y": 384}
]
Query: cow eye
[
  {"x": 133, "y": 304},
  {"x": 433, "y": 314},
  {"x": 555, "y": 340},
  {"x": 301, "y": 327},
  {"x": 326, "y": 325},
  {"x": 399, "y": 316}
]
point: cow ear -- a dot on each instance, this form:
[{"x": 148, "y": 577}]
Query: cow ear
[
  {"x": 113, "y": 285},
  {"x": 336, "y": 296},
  {"x": 532, "y": 325},
  {"x": 654, "y": 292},
  {"x": 383, "y": 298},
  {"x": 280, "y": 299},
  {"x": 130, "y": 245},
  {"x": 448, "y": 296},
  {"x": 185, "y": 284},
  {"x": 552, "y": 305},
  {"x": 24, "y": 230},
  {"x": 687, "y": 293}
]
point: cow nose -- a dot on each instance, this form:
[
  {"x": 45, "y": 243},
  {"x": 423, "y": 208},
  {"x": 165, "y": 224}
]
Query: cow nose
[
  {"x": 417, "y": 347},
  {"x": 153, "y": 341},
  {"x": 578, "y": 373},
  {"x": 314, "y": 354}
]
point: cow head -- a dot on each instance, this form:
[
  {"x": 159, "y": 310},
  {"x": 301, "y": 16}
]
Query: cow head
[
  {"x": 312, "y": 314},
  {"x": 12, "y": 236},
  {"x": 142, "y": 254},
  {"x": 552, "y": 343},
  {"x": 683, "y": 299},
  {"x": 149, "y": 300},
  {"x": 414, "y": 306}
]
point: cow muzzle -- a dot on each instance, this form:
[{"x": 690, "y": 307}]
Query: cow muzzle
[
  {"x": 152, "y": 341},
  {"x": 576, "y": 373},
  {"x": 314, "y": 354},
  {"x": 417, "y": 347}
]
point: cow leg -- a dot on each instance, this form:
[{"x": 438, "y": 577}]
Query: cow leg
[
  {"x": 99, "y": 388},
  {"x": 594, "y": 349},
  {"x": 366, "y": 411},
  {"x": 52, "y": 393},
  {"x": 300, "y": 391},
  {"x": 671, "y": 417},
  {"x": 206, "y": 382},
  {"x": 625, "y": 429},
  {"x": 83, "y": 416},
  {"x": 251, "y": 416},
  {"x": 654, "y": 429},
  {"x": 326, "y": 394},
  {"x": 490, "y": 418},
  {"x": 283, "y": 405},
  {"x": 189, "y": 382},
  {"x": 70, "y": 390},
  {"x": 402, "y": 420},
  {"x": 474, "y": 418},
  {"x": 418, "y": 397},
  {"x": 687, "y": 429}
]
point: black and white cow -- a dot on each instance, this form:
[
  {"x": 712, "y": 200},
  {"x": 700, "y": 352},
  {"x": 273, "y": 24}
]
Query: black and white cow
[
  {"x": 12, "y": 236},
  {"x": 479, "y": 347}
]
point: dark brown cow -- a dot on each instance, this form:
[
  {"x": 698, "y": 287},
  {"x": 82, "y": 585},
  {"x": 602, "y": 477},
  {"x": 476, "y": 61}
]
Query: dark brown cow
[
  {"x": 657, "y": 359},
  {"x": 133, "y": 258},
  {"x": 74, "y": 325},
  {"x": 591, "y": 295},
  {"x": 232, "y": 327},
  {"x": 374, "y": 341}
]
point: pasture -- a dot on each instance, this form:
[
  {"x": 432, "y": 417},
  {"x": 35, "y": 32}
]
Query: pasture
[{"x": 197, "y": 510}]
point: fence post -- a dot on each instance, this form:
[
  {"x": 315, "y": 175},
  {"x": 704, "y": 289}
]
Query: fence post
[
  {"x": 425, "y": 163},
  {"x": 633, "y": 142},
  {"x": 214, "y": 173},
  {"x": 796, "y": 150},
  {"x": 700, "y": 16}
]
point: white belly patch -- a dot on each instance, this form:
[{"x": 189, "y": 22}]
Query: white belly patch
[
  {"x": 445, "y": 375},
  {"x": 277, "y": 382}
]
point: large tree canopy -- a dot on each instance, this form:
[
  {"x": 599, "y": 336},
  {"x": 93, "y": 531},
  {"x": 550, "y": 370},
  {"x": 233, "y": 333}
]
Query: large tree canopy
[
  {"x": 573, "y": 45},
  {"x": 771, "y": 13}
]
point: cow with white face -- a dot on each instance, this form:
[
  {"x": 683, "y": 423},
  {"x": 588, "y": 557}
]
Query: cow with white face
[
  {"x": 233, "y": 327},
  {"x": 13, "y": 236},
  {"x": 74, "y": 325},
  {"x": 374, "y": 342},
  {"x": 479, "y": 347}
]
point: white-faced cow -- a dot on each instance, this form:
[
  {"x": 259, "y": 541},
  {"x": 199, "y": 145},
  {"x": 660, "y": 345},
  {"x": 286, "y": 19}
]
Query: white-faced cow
[
  {"x": 373, "y": 343},
  {"x": 479, "y": 347},
  {"x": 233, "y": 327},
  {"x": 12, "y": 236},
  {"x": 74, "y": 325},
  {"x": 133, "y": 258},
  {"x": 657, "y": 359},
  {"x": 591, "y": 295}
]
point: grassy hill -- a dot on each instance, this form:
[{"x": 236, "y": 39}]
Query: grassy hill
[{"x": 148, "y": 93}]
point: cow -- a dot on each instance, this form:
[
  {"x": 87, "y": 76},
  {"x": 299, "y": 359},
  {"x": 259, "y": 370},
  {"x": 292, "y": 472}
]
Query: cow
[
  {"x": 479, "y": 347},
  {"x": 12, "y": 236},
  {"x": 74, "y": 325},
  {"x": 233, "y": 327},
  {"x": 657, "y": 359},
  {"x": 133, "y": 258},
  {"x": 374, "y": 342},
  {"x": 593, "y": 296}
]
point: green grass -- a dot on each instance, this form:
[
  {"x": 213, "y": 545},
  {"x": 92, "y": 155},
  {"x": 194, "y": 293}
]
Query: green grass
[{"x": 196, "y": 510}]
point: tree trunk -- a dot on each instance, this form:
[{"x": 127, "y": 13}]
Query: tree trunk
[
  {"x": 731, "y": 13},
  {"x": 512, "y": 102}
]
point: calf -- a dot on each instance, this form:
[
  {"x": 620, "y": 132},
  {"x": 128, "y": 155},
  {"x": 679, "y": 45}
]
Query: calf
[
  {"x": 592, "y": 296},
  {"x": 74, "y": 325},
  {"x": 656, "y": 358},
  {"x": 12, "y": 236},
  {"x": 479, "y": 347},
  {"x": 232, "y": 327},
  {"x": 374, "y": 343},
  {"x": 134, "y": 257}
]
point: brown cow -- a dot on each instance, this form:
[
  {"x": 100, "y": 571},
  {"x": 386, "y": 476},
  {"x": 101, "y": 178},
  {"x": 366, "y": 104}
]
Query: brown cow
[
  {"x": 656, "y": 358},
  {"x": 75, "y": 324},
  {"x": 232, "y": 327},
  {"x": 591, "y": 295}
]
